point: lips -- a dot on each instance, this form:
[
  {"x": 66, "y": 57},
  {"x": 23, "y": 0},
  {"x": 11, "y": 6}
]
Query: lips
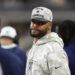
[{"x": 35, "y": 29}]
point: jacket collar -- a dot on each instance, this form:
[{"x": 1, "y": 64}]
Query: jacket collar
[
  {"x": 51, "y": 37},
  {"x": 8, "y": 46}
]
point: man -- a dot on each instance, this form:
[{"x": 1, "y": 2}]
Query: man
[
  {"x": 12, "y": 58},
  {"x": 46, "y": 56}
]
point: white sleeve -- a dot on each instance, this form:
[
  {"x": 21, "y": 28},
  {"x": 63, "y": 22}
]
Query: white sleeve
[
  {"x": 57, "y": 62},
  {"x": 1, "y": 72}
]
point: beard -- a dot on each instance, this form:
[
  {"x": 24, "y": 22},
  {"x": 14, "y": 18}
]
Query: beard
[{"x": 40, "y": 34}]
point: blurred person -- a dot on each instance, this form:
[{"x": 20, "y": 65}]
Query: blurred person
[
  {"x": 46, "y": 57},
  {"x": 67, "y": 33},
  {"x": 12, "y": 58}
]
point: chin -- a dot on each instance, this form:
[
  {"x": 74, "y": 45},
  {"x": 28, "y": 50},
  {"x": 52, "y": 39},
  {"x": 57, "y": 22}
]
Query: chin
[
  {"x": 37, "y": 34},
  {"x": 34, "y": 35}
]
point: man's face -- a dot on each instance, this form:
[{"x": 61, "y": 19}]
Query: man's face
[{"x": 38, "y": 28}]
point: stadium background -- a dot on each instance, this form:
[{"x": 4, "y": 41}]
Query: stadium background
[{"x": 17, "y": 14}]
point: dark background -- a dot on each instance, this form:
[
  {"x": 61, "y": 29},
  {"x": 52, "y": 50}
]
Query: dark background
[{"x": 17, "y": 14}]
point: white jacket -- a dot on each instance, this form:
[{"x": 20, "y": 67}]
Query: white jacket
[
  {"x": 1, "y": 72},
  {"x": 47, "y": 57}
]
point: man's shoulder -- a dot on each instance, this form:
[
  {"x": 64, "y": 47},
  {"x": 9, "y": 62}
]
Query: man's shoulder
[
  {"x": 53, "y": 47},
  {"x": 51, "y": 44}
]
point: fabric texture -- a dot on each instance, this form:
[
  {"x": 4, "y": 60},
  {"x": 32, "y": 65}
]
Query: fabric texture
[
  {"x": 47, "y": 57},
  {"x": 70, "y": 50},
  {"x": 13, "y": 61}
]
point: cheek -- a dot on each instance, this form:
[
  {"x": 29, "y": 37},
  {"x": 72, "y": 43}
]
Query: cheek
[
  {"x": 31, "y": 26},
  {"x": 42, "y": 28}
]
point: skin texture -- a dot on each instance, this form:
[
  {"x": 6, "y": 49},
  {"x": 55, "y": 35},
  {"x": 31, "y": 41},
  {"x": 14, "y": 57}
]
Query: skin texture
[
  {"x": 38, "y": 29},
  {"x": 6, "y": 41}
]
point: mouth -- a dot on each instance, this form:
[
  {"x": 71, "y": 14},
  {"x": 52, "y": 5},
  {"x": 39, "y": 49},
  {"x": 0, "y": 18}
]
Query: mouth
[{"x": 35, "y": 29}]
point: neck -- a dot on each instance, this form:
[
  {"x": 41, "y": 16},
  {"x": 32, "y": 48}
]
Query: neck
[
  {"x": 36, "y": 39},
  {"x": 7, "y": 43}
]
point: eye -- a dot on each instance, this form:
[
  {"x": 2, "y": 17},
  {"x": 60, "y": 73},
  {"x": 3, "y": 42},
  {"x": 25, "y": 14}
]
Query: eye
[
  {"x": 38, "y": 22},
  {"x": 41, "y": 23}
]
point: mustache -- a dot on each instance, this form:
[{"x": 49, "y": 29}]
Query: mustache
[{"x": 35, "y": 29}]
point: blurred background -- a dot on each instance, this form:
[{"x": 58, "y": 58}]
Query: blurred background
[{"x": 17, "y": 14}]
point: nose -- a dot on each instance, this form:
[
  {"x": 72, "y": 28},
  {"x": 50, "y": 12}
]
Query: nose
[{"x": 34, "y": 24}]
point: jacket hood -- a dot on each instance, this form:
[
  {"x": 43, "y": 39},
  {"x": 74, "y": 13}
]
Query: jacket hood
[{"x": 51, "y": 37}]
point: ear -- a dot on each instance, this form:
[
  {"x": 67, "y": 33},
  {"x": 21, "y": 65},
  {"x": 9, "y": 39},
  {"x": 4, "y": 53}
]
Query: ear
[{"x": 50, "y": 25}]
